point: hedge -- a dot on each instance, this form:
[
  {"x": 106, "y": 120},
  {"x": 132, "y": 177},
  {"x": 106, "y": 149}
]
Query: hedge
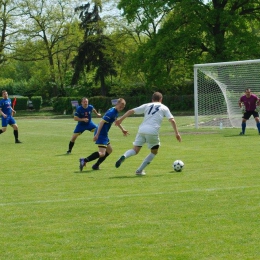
[
  {"x": 101, "y": 103},
  {"x": 21, "y": 102}
]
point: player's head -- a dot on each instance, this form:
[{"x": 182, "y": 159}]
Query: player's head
[
  {"x": 4, "y": 94},
  {"x": 84, "y": 102},
  {"x": 248, "y": 91},
  {"x": 157, "y": 97},
  {"x": 120, "y": 105}
]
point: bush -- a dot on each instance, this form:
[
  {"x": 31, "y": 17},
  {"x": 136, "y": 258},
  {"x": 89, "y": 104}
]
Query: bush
[
  {"x": 101, "y": 103},
  {"x": 37, "y": 102},
  {"x": 21, "y": 102}
]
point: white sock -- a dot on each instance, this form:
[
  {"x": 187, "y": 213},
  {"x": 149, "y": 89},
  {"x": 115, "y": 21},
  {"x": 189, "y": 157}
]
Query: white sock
[
  {"x": 129, "y": 153},
  {"x": 146, "y": 161}
]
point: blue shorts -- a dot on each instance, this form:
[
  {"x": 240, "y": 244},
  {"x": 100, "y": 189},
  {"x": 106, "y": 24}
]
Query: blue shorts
[
  {"x": 8, "y": 121},
  {"x": 80, "y": 128},
  {"x": 102, "y": 140}
]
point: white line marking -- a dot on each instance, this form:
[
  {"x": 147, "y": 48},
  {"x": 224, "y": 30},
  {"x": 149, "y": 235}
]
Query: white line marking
[{"x": 125, "y": 195}]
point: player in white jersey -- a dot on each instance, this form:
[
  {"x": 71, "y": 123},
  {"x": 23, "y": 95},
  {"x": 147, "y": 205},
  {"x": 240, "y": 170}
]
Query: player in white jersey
[{"x": 148, "y": 131}]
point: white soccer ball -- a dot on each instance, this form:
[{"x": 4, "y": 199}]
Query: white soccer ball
[{"x": 178, "y": 165}]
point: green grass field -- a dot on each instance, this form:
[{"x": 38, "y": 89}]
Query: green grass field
[{"x": 50, "y": 210}]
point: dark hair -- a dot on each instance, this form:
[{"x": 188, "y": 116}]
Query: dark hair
[{"x": 157, "y": 96}]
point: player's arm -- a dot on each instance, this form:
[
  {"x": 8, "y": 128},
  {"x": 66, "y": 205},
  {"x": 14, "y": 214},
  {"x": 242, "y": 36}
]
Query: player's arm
[
  {"x": 174, "y": 126},
  {"x": 85, "y": 119},
  {"x": 100, "y": 125},
  {"x": 122, "y": 118},
  {"x": 2, "y": 113},
  {"x": 13, "y": 111},
  {"x": 125, "y": 132},
  {"x": 95, "y": 111}
]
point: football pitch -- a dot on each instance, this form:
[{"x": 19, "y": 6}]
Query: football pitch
[{"x": 51, "y": 210}]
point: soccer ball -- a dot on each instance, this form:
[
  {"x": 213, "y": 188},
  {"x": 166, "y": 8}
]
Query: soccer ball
[{"x": 178, "y": 165}]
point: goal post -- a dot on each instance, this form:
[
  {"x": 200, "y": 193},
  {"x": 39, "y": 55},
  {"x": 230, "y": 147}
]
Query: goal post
[{"x": 217, "y": 89}]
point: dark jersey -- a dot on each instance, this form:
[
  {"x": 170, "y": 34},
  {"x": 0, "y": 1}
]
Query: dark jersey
[
  {"x": 82, "y": 112},
  {"x": 109, "y": 118},
  {"x": 249, "y": 103},
  {"x": 6, "y": 106}
]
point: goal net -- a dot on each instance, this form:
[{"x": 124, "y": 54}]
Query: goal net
[{"x": 218, "y": 88}]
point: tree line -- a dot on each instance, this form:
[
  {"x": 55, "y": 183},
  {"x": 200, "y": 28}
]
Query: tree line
[{"x": 66, "y": 48}]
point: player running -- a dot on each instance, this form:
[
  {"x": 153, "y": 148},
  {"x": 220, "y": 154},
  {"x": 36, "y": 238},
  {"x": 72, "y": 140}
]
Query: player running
[
  {"x": 6, "y": 111},
  {"x": 101, "y": 136},
  {"x": 83, "y": 117},
  {"x": 148, "y": 130}
]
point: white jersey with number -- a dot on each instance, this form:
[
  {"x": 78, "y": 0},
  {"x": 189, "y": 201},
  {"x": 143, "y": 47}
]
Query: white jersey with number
[{"x": 153, "y": 115}]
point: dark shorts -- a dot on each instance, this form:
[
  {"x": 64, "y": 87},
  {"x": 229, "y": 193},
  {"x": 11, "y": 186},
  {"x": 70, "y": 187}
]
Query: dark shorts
[
  {"x": 8, "y": 121},
  {"x": 248, "y": 114},
  {"x": 80, "y": 128},
  {"x": 102, "y": 141}
]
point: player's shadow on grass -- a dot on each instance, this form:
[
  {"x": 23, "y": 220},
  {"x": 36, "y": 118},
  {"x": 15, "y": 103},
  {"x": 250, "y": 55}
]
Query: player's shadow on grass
[
  {"x": 237, "y": 135},
  {"x": 63, "y": 154},
  {"x": 135, "y": 176},
  {"x": 83, "y": 172},
  {"x": 124, "y": 177}
]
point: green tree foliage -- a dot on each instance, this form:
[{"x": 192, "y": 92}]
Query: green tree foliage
[
  {"x": 191, "y": 32},
  {"x": 37, "y": 32},
  {"x": 153, "y": 46},
  {"x": 9, "y": 11},
  {"x": 96, "y": 51},
  {"x": 48, "y": 25}
]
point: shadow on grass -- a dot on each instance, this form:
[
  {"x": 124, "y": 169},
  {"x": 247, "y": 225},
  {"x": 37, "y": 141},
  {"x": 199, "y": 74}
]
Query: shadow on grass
[
  {"x": 237, "y": 135},
  {"x": 136, "y": 176},
  {"x": 83, "y": 172},
  {"x": 63, "y": 154}
]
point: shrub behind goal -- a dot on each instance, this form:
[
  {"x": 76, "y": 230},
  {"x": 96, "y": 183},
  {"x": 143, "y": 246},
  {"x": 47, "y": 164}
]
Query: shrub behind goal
[{"x": 217, "y": 89}]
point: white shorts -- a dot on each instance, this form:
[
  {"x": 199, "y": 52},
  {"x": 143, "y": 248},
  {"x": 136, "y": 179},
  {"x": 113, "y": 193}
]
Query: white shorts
[{"x": 151, "y": 140}]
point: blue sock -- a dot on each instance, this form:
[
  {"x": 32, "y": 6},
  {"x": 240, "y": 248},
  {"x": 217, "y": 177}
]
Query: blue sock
[
  {"x": 243, "y": 127},
  {"x": 258, "y": 127}
]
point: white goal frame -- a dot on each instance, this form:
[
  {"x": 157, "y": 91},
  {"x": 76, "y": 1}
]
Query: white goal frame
[{"x": 225, "y": 81}]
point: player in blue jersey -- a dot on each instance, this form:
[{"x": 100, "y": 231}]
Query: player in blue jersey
[
  {"x": 83, "y": 117},
  {"x": 6, "y": 111},
  {"x": 148, "y": 131},
  {"x": 101, "y": 136}
]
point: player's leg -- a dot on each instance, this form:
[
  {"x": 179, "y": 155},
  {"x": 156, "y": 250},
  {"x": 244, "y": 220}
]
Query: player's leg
[
  {"x": 4, "y": 125},
  {"x": 72, "y": 142},
  {"x": 153, "y": 143},
  {"x": 102, "y": 146},
  {"x": 3, "y": 130},
  {"x": 91, "y": 157},
  {"x": 15, "y": 127},
  {"x": 91, "y": 126},
  {"x": 245, "y": 117},
  {"x": 79, "y": 129},
  {"x": 138, "y": 143},
  {"x": 257, "y": 120},
  {"x": 103, "y": 158}
]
